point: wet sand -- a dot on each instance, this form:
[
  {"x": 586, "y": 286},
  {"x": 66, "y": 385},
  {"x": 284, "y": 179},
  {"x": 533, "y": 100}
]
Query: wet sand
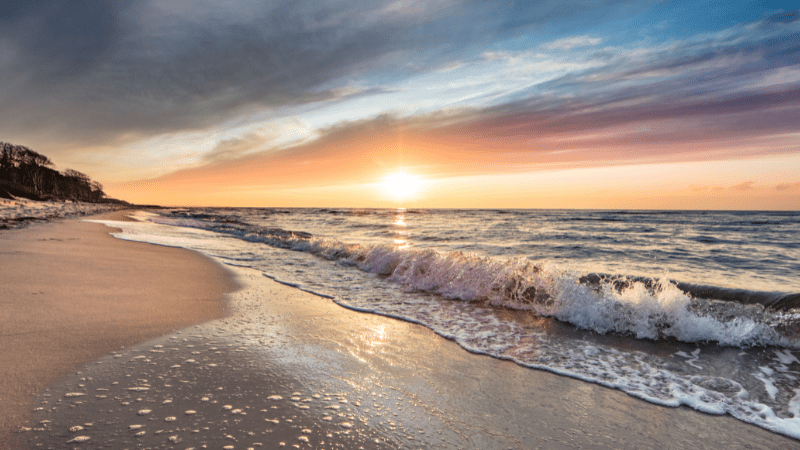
[
  {"x": 287, "y": 367},
  {"x": 71, "y": 293}
]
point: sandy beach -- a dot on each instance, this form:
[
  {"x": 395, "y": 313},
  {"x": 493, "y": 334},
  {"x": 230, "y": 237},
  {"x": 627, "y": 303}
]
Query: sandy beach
[
  {"x": 71, "y": 293},
  {"x": 284, "y": 367}
]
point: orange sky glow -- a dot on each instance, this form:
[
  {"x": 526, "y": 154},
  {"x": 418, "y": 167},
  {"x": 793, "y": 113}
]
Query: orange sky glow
[{"x": 471, "y": 167}]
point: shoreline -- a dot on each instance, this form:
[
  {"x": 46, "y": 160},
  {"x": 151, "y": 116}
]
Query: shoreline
[
  {"x": 359, "y": 378},
  {"x": 288, "y": 366},
  {"x": 19, "y": 213},
  {"x": 71, "y": 293}
]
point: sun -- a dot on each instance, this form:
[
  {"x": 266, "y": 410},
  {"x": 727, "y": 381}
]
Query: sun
[{"x": 401, "y": 185}]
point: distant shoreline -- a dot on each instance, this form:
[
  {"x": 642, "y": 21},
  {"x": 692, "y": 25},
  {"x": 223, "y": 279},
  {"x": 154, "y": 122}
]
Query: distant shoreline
[{"x": 19, "y": 212}]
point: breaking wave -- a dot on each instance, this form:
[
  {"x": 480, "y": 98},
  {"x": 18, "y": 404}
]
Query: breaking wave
[{"x": 646, "y": 308}]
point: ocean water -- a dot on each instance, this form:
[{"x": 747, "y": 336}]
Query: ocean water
[{"x": 675, "y": 307}]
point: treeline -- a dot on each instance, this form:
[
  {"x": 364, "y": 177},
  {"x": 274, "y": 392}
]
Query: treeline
[{"x": 25, "y": 173}]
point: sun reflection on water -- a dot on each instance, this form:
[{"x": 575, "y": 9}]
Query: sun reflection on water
[{"x": 401, "y": 234}]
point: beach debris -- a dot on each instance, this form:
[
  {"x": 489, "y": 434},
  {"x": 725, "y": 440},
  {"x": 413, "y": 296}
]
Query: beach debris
[
  {"x": 171, "y": 419},
  {"x": 75, "y": 429},
  {"x": 205, "y": 399},
  {"x": 228, "y": 407},
  {"x": 138, "y": 388},
  {"x": 174, "y": 439},
  {"x": 190, "y": 412},
  {"x": 167, "y": 401},
  {"x": 134, "y": 427},
  {"x": 79, "y": 439},
  {"x": 346, "y": 425},
  {"x": 144, "y": 412},
  {"x": 328, "y": 418},
  {"x": 274, "y": 397},
  {"x": 237, "y": 411},
  {"x": 305, "y": 431},
  {"x": 303, "y": 439},
  {"x": 74, "y": 394}
]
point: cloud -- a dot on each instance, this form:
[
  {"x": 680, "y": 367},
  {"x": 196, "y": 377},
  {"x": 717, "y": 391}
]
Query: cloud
[
  {"x": 788, "y": 186},
  {"x": 572, "y": 42},
  {"x": 235, "y": 148},
  {"x": 97, "y": 71}
]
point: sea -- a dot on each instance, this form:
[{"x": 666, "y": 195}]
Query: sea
[{"x": 695, "y": 308}]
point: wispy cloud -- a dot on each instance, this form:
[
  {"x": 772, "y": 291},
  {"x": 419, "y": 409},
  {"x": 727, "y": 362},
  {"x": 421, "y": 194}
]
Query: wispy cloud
[
  {"x": 745, "y": 186},
  {"x": 572, "y": 42},
  {"x": 788, "y": 187}
]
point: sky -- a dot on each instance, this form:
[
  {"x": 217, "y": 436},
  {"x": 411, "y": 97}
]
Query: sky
[{"x": 432, "y": 104}]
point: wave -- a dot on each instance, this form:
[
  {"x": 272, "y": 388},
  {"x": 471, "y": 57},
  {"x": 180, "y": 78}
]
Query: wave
[
  {"x": 774, "y": 300},
  {"x": 643, "y": 307}
]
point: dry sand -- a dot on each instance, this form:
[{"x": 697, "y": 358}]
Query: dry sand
[{"x": 70, "y": 293}]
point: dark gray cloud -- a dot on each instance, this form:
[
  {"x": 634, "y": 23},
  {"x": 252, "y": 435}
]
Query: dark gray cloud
[
  {"x": 59, "y": 39},
  {"x": 96, "y": 70}
]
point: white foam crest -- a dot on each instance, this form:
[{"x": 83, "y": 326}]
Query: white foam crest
[
  {"x": 549, "y": 290},
  {"x": 654, "y": 314}
]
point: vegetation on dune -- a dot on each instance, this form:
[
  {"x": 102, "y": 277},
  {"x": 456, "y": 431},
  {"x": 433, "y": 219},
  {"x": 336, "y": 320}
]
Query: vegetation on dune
[{"x": 28, "y": 174}]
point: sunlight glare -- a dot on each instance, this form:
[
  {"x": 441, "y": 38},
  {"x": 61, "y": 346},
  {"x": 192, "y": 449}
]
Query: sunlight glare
[{"x": 401, "y": 185}]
